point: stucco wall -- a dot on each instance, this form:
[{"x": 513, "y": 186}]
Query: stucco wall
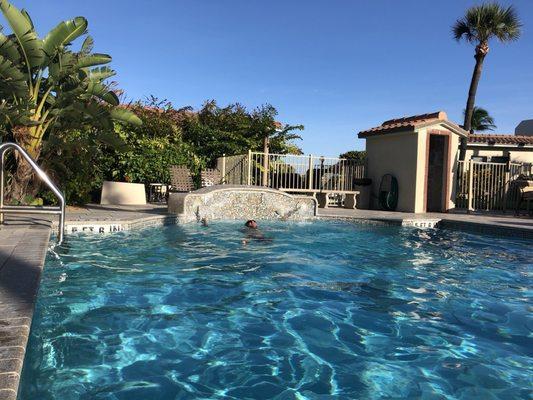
[
  {"x": 240, "y": 202},
  {"x": 421, "y": 159},
  {"x": 515, "y": 156},
  {"x": 395, "y": 154}
]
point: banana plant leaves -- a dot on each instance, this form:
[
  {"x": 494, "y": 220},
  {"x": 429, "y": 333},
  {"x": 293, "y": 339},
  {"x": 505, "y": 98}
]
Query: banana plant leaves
[
  {"x": 101, "y": 91},
  {"x": 100, "y": 74},
  {"x": 30, "y": 44},
  {"x": 93, "y": 60},
  {"x": 11, "y": 79},
  {"x": 126, "y": 116},
  {"x": 64, "y": 34},
  {"x": 8, "y": 49}
]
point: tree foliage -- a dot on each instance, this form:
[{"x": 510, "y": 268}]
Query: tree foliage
[
  {"x": 482, "y": 120},
  {"x": 214, "y": 130},
  {"x": 486, "y": 21},
  {"x": 479, "y": 25},
  {"x": 49, "y": 89},
  {"x": 153, "y": 146},
  {"x": 357, "y": 155},
  {"x": 61, "y": 106},
  {"x": 166, "y": 137}
]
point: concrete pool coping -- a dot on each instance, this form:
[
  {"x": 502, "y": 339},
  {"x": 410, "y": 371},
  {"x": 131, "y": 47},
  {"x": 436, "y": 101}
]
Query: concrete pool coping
[
  {"x": 105, "y": 219},
  {"x": 24, "y": 243}
]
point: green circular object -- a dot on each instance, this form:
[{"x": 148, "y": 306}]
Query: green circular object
[{"x": 388, "y": 193}]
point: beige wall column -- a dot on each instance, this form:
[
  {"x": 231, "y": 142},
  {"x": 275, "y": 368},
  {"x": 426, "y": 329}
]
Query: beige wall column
[{"x": 396, "y": 154}]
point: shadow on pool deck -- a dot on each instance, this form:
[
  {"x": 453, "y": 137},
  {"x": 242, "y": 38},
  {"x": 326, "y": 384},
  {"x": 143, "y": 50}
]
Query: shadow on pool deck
[{"x": 23, "y": 246}]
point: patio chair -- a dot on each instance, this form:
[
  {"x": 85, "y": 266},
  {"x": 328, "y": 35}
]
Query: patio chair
[
  {"x": 181, "y": 179},
  {"x": 525, "y": 193},
  {"x": 210, "y": 177}
]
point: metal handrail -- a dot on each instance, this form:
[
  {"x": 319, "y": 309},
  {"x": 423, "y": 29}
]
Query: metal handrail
[{"x": 60, "y": 210}]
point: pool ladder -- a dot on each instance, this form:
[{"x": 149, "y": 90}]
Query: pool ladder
[{"x": 54, "y": 210}]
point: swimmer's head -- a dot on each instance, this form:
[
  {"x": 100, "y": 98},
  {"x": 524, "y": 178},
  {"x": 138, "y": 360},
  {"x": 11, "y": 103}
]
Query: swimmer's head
[{"x": 251, "y": 224}]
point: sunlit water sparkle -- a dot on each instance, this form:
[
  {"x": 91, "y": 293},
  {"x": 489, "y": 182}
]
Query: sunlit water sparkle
[{"x": 323, "y": 310}]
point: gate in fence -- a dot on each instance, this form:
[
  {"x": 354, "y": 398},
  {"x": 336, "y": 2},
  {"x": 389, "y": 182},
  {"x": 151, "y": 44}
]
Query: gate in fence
[{"x": 486, "y": 186}]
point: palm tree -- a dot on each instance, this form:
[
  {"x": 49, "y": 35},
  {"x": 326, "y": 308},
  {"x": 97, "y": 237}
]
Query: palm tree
[
  {"x": 481, "y": 120},
  {"x": 52, "y": 88},
  {"x": 479, "y": 25},
  {"x": 273, "y": 134}
]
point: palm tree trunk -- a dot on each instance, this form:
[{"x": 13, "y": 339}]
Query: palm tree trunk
[
  {"x": 480, "y": 57},
  {"x": 23, "y": 182}
]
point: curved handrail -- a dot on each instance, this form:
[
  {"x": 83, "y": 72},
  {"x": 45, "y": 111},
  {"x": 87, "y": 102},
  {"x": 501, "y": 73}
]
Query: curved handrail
[{"x": 44, "y": 177}]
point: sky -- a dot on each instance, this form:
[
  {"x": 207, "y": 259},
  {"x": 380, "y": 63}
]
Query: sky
[{"x": 335, "y": 66}]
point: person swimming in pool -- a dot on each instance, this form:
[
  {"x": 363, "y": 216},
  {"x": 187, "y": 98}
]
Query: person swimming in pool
[
  {"x": 252, "y": 232},
  {"x": 251, "y": 223}
]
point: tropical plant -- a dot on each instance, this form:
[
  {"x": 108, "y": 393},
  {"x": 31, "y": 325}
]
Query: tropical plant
[
  {"x": 81, "y": 162},
  {"x": 213, "y": 131},
  {"x": 479, "y": 25},
  {"x": 274, "y": 135},
  {"x": 52, "y": 88},
  {"x": 358, "y": 156},
  {"x": 481, "y": 120},
  {"x": 153, "y": 147}
]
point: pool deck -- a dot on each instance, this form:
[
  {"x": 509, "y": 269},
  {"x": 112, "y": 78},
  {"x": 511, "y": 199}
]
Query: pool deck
[
  {"x": 23, "y": 246},
  {"x": 24, "y": 242},
  {"x": 498, "y": 224}
]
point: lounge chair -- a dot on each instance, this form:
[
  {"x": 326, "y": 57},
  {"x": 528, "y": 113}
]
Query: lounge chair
[
  {"x": 181, "y": 179},
  {"x": 210, "y": 177}
]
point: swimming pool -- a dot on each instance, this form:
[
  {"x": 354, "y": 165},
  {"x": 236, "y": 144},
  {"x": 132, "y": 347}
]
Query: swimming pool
[{"x": 322, "y": 310}]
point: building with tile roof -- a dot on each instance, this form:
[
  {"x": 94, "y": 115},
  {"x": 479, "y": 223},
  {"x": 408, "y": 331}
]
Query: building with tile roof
[
  {"x": 421, "y": 152},
  {"x": 500, "y": 148}
]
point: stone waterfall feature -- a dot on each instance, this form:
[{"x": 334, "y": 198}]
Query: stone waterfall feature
[{"x": 240, "y": 202}]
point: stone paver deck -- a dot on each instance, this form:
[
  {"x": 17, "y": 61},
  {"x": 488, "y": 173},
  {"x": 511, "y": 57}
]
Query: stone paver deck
[
  {"x": 98, "y": 213},
  {"x": 23, "y": 246},
  {"x": 107, "y": 219}
]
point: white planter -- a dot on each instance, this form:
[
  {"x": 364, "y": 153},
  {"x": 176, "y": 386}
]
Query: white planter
[{"x": 123, "y": 193}]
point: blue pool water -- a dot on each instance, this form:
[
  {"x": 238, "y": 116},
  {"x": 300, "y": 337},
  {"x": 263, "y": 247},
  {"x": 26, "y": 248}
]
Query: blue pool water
[{"x": 323, "y": 310}]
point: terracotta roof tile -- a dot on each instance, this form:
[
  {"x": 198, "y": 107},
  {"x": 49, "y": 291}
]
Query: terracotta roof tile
[
  {"x": 417, "y": 118},
  {"x": 500, "y": 139},
  {"x": 412, "y": 122}
]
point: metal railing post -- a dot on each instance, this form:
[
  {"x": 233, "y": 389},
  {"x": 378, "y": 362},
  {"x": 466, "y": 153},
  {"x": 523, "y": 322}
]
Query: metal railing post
[
  {"x": 470, "y": 185},
  {"x": 265, "y": 168},
  {"x": 310, "y": 172},
  {"x": 507, "y": 183},
  {"x": 223, "y": 169},
  {"x": 32, "y": 209},
  {"x": 249, "y": 180}
]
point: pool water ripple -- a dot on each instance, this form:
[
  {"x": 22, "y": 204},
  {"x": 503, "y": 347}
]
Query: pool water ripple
[{"x": 318, "y": 310}]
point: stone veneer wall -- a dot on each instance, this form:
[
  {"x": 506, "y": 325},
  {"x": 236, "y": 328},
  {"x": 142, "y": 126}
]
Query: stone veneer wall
[{"x": 240, "y": 202}]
